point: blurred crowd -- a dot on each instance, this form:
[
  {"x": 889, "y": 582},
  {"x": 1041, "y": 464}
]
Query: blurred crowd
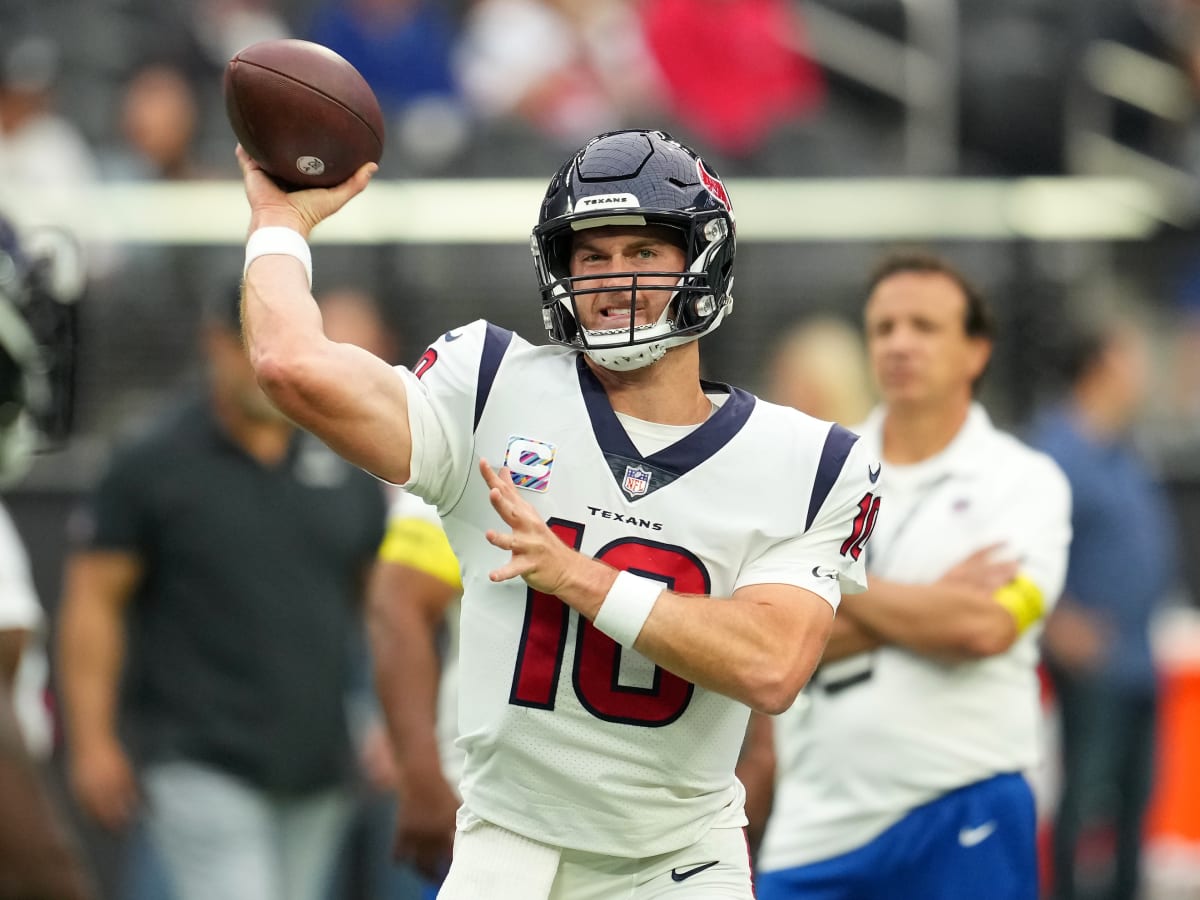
[{"x": 131, "y": 88}]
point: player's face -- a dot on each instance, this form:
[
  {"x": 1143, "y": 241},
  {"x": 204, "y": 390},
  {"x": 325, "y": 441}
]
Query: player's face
[
  {"x": 609, "y": 257},
  {"x": 916, "y": 336}
]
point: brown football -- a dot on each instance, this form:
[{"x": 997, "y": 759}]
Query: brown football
[{"x": 302, "y": 112}]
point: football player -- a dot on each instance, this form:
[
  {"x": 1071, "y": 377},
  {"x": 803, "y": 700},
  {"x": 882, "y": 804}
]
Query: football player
[
  {"x": 38, "y": 857},
  {"x": 646, "y": 556},
  {"x": 413, "y": 625}
]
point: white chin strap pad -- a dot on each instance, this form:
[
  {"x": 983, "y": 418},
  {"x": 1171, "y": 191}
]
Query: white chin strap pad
[{"x": 626, "y": 359}]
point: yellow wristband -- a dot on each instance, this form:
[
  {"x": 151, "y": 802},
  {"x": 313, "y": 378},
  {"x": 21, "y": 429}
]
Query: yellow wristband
[{"x": 1024, "y": 600}]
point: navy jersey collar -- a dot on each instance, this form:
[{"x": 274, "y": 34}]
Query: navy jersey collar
[{"x": 686, "y": 453}]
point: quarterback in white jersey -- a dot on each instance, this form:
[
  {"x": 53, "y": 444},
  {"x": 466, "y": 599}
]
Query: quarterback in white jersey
[
  {"x": 645, "y": 556},
  {"x": 568, "y": 737},
  {"x": 900, "y": 770}
]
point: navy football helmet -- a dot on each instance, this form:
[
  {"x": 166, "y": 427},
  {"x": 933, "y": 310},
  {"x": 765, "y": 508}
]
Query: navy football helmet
[
  {"x": 37, "y": 350},
  {"x": 636, "y": 178}
]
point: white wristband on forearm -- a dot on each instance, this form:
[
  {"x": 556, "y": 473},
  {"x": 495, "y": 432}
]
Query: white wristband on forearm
[
  {"x": 626, "y": 607},
  {"x": 278, "y": 240}
]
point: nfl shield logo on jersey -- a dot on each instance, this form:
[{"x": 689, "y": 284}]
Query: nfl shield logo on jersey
[{"x": 636, "y": 481}]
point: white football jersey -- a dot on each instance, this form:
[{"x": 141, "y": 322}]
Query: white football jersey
[
  {"x": 877, "y": 734},
  {"x": 571, "y": 739}
]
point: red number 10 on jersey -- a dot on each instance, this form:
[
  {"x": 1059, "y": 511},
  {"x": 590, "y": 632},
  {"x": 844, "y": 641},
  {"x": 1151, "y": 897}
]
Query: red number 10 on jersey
[{"x": 597, "y": 656}]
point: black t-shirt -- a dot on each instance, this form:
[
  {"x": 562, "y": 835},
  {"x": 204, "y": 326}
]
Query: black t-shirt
[{"x": 239, "y": 633}]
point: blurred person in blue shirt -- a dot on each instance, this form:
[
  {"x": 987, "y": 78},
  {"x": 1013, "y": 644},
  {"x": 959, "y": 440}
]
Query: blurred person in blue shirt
[
  {"x": 404, "y": 49},
  {"x": 1122, "y": 566}
]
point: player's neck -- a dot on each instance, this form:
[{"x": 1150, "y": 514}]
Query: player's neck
[
  {"x": 667, "y": 392},
  {"x": 914, "y": 434}
]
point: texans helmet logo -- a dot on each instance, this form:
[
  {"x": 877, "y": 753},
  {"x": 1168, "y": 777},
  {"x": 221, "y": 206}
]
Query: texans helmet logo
[{"x": 713, "y": 185}]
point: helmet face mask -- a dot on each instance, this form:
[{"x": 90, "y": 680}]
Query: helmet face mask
[{"x": 636, "y": 178}]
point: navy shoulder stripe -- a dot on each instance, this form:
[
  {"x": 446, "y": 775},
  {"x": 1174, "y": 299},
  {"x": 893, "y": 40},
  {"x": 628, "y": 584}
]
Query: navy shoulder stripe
[
  {"x": 495, "y": 343},
  {"x": 837, "y": 447}
]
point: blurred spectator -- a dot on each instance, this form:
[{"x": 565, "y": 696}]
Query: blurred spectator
[
  {"x": 900, "y": 771},
  {"x": 403, "y": 48},
  {"x": 159, "y": 122},
  {"x": 207, "y": 612},
  {"x": 566, "y": 68},
  {"x": 414, "y": 622},
  {"x": 37, "y": 144},
  {"x": 37, "y": 858},
  {"x": 352, "y": 316},
  {"x": 39, "y": 147},
  {"x": 734, "y": 70},
  {"x": 1097, "y": 641},
  {"x": 819, "y": 366}
]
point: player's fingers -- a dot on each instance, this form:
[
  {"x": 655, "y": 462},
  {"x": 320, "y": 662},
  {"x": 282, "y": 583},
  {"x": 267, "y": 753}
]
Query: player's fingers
[
  {"x": 505, "y": 500},
  {"x": 498, "y": 479},
  {"x": 514, "y": 569},
  {"x": 504, "y": 507},
  {"x": 342, "y": 194},
  {"x": 364, "y": 175},
  {"x": 501, "y": 539},
  {"x": 492, "y": 478},
  {"x": 521, "y": 509}
]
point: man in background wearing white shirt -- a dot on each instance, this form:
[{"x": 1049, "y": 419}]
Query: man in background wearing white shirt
[{"x": 900, "y": 769}]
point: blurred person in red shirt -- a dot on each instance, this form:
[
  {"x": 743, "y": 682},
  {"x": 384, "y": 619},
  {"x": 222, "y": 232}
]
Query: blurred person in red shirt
[{"x": 756, "y": 74}]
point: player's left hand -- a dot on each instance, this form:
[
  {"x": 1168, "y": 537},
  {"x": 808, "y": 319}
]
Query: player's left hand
[{"x": 538, "y": 556}]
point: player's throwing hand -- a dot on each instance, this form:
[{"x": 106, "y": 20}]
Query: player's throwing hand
[{"x": 301, "y": 210}]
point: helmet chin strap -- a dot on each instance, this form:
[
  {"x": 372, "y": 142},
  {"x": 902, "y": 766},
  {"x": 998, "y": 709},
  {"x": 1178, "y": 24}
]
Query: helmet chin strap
[
  {"x": 603, "y": 347},
  {"x": 624, "y": 358}
]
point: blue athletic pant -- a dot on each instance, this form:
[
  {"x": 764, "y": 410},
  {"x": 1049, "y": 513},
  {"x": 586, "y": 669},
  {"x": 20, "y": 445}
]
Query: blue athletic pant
[{"x": 974, "y": 843}]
